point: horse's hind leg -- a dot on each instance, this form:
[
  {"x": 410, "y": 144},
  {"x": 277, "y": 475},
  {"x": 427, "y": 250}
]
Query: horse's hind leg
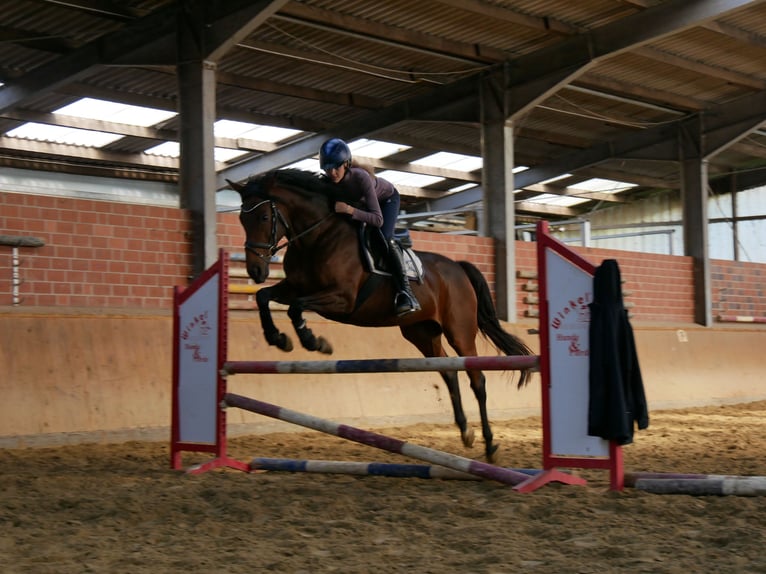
[
  {"x": 429, "y": 344},
  {"x": 451, "y": 380},
  {"x": 464, "y": 343},
  {"x": 479, "y": 387}
]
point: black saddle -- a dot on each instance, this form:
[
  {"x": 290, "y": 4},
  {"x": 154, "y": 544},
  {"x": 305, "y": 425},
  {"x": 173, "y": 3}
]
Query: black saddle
[{"x": 374, "y": 247}]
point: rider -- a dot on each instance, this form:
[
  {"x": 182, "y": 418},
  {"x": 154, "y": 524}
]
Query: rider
[{"x": 381, "y": 207}]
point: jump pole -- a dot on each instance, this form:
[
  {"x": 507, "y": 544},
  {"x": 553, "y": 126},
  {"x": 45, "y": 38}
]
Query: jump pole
[
  {"x": 500, "y": 363},
  {"x": 455, "y": 462},
  {"x": 367, "y": 468},
  {"x": 697, "y": 484}
]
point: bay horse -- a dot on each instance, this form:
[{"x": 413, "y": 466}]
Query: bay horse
[{"x": 324, "y": 273}]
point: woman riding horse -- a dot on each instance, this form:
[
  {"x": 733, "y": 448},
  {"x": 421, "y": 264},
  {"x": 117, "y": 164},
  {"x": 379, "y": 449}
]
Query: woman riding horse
[
  {"x": 381, "y": 202},
  {"x": 295, "y": 210}
]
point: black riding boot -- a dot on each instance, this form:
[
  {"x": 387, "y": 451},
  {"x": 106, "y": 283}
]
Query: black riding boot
[{"x": 404, "y": 302}]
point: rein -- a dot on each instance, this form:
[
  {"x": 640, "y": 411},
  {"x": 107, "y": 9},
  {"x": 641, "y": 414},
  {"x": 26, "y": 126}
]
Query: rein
[{"x": 273, "y": 246}]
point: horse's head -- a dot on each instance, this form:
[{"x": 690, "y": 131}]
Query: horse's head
[
  {"x": 263, "y": 228},
  {"x": 276, "y": 205}
]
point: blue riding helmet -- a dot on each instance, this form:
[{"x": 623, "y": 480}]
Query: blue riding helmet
[{"x": 334, "y": 153}]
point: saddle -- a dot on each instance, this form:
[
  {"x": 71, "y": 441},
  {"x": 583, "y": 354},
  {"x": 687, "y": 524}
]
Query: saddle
[{"x": 374, "y": 251}]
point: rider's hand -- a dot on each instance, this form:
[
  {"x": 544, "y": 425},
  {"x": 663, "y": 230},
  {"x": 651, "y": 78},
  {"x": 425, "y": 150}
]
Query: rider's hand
[{"x": 341, "y": 207}]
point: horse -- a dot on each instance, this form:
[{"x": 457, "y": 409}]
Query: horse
[{"x": 292, "y": 209}]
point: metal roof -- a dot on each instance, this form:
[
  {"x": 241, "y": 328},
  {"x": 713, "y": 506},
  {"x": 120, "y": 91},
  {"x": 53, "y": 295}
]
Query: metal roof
[{"x": 595, "y": 88}]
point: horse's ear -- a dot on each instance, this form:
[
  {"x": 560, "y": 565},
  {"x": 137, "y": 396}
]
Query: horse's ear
[{"x": 238, "y": 187}]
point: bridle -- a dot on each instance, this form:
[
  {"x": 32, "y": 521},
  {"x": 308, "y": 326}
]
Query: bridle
[{"x": 276, "y": 216}]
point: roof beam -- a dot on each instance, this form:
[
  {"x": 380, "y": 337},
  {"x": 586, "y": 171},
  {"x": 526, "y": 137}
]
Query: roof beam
[
  {"x": 71, "y": 67},
  {"x": 722, "y": 125},
  {"x": 364, "y": 29},
  {"x": 532, "y": 78},
  {"x": 366, "y": 124},
  {"x": 542, "y": 24},
  {"x": 152, "y": 38}
]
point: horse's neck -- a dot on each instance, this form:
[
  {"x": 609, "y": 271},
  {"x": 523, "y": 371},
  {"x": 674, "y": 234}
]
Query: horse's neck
[{"x": 329, "y": 232}]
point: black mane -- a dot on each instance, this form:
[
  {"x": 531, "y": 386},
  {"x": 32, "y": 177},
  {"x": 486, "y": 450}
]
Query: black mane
[{"x": 300, "y": 181}]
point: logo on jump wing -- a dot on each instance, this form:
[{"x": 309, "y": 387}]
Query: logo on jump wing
[
  {"x": 575, "y": 309},
  {"x": 573, "y": 348},
  {"x": 198, "y": 328}
]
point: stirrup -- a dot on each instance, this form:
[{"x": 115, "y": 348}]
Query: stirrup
[{"x": 404, "y": 304}]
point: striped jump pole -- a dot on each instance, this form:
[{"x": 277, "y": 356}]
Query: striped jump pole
[
  {"x": 696, "y": 484},
  {"x": 498, "y": 363},
  {"x": 455, "y": 462},
  {"x": 366, "y": 468}
]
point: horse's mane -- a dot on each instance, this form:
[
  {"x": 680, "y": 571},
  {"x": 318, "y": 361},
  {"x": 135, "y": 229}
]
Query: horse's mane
[{"x": 307, "y": 183}]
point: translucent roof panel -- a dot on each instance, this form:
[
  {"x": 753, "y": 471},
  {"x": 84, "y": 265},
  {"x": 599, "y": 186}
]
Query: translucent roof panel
[
  {"x": 91, "y": 108},
  {"x": 449, "y": 160},
  {"x": 170, "y": 149},
  {"x": 557, "y": 178},
  {"x": 375, "y": 149},
  {"x": 409, "y": 179},
  {"x": 63, "y": 135},
  {"x": 602, "y": 185},
  {"x": 113, "y": 112},
  {"x": 561, "y": 200},
  {"x": 244, "y": 130},
  {"x": 463, "y": 187},
  {"x": 173, "y": 149},
  {"x": 308, "y": 164}
]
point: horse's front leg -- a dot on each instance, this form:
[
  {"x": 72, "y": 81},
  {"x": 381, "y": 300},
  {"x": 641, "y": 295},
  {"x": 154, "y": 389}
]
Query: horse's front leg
[
  {"x": 271, "y": 333},
  {"x": 331, "y": 302},
  {"x": 306, "y": 336}
]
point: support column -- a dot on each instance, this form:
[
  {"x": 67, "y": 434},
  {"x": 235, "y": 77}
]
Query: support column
[
  {"x": 694, "y": 197},
  {"x": 497, "y": 183},
  {"x": 197, "y": 86}
]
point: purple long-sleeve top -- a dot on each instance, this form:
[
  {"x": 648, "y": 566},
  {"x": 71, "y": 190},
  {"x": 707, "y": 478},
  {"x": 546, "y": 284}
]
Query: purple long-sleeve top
[{"x": 371, "y": 191}]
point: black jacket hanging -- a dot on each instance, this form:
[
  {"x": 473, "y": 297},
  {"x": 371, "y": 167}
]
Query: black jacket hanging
[{"x": 617, "y": 398}]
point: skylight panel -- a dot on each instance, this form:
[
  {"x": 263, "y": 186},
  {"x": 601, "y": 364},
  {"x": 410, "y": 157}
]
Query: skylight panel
[
  {"x": 308, "y": 164},
  {"x": 409, "y": 179},
  {"x": 463, "y": 187},
  {"x": 245, "y": 130},
  {"x": 602, "y": 185},
  {"x": 375, "y": 149},
  {"x": 63, "y": 135},
  {"x": 227, "y": 154},
  {"x": 94, "y": 109},
  {"x": 173, "y": 149},
  {"x": 559, "y": 200},
  {"x": 557, "y": 178},
  {"x": 449, "y": 160},
  {"x": 168, "y": 149}
]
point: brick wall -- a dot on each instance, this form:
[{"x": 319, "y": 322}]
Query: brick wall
[
  {"x": 101, "y": 254},
  {"x": 96, "y": 253}
]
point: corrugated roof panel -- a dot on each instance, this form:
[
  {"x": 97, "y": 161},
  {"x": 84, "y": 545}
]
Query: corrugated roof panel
[
  {"x": 707, "y": 46},
  {"x": 651, "y": 78}
]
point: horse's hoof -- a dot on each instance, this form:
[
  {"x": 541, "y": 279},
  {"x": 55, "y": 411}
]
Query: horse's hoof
[
  {"x": 492, "y": 455},
  {"x": 468, "y": 438},
  {"x": 285, "y": 343},
  {"x": 323, "y": 346}
]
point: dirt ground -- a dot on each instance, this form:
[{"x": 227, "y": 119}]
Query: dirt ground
[{"x": 119, "y": 508}]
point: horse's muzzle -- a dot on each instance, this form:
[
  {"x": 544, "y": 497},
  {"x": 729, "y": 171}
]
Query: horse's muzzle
[{"x": 258, "y": 271}]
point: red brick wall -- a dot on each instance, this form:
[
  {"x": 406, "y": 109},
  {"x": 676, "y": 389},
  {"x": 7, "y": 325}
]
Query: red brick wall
[
  {"x": 116, "y": 255},
  {"x": 738, "y": 288},
  {"x": 96, "y": 253}
]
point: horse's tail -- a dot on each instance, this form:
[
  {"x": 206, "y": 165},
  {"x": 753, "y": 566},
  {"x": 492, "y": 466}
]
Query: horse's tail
[{"x": 489, "y": 324}]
